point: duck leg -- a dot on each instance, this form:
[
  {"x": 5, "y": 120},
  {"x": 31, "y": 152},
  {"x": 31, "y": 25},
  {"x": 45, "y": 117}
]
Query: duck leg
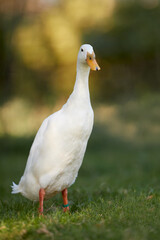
[
  {"x": 65, "y": 200},
  {"x": 41, "y": 198}
]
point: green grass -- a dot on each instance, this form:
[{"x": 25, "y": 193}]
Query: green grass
[{"x": 116, "y": 195}]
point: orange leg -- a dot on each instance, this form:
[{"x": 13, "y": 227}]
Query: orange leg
[
  {"x": 41, "y": 198},
  {"x": 65, "y": 200}
]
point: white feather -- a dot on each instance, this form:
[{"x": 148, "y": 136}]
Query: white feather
[{"x": 15, "y": 188}]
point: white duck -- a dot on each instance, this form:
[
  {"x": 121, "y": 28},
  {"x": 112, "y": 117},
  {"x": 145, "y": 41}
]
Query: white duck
[{"x": 59, "y": 146}]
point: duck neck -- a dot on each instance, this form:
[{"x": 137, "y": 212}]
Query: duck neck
[{"x": 81, "y": 87}]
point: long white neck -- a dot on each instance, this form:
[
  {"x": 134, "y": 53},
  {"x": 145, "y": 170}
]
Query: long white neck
[
  {"x": 80, "y": 94},
  {"x": 81, "y": 87}
]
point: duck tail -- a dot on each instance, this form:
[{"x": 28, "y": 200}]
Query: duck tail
[{"x": 15, "y": 188}]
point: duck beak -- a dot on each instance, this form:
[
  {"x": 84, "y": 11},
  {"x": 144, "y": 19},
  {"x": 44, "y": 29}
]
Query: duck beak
[{"x": 91, "y": 61}]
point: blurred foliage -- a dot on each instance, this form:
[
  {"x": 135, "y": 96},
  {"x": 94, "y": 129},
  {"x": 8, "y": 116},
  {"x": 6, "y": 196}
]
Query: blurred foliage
[
  {"x": 41, "y": 48},
  {"x": 39, "y": 42},
  {"x": 130, "y": 50}
]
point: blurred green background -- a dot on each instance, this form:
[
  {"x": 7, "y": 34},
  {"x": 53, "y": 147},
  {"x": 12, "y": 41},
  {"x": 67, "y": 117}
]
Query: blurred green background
[{"x": 39, "y": 42}]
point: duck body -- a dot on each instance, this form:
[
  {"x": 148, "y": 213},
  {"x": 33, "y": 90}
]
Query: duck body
[
  {"x": 59, "y": 146},
  {"x": 65, "y": 135}
]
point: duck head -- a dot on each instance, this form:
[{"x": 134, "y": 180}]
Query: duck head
[{"x": 86, "y": 56}]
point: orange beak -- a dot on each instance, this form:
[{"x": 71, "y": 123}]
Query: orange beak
[{"x": 91, "y": 61}]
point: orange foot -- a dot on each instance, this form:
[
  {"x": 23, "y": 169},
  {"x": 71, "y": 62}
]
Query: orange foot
[
  {"x": 65, "y": 201},
  {"x": 41, "y": 198},
  {"x": 40, "y": 211},
  {"x": 65, "y": 209}
]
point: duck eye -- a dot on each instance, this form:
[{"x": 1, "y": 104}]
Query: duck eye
[
  {"x": 90, "y": 58},
  {"x": 81, "y": 49}
]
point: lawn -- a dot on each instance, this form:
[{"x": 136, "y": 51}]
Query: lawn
[{"x": 117, "y": 192}]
